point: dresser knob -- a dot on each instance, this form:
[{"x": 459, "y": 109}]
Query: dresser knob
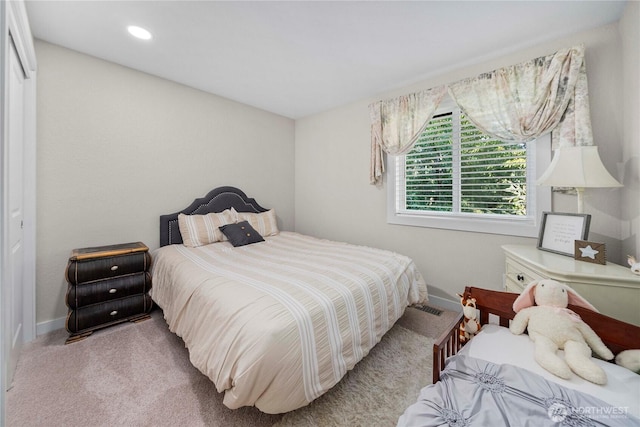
[
  {"x": 113, "y": 291},
  {"x": 520, "y": 278},
  {"x": 114, "y": 312},
  {"x": 114, "y": 268}
]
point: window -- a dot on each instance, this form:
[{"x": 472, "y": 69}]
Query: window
[{"x": 458, "y": 177}]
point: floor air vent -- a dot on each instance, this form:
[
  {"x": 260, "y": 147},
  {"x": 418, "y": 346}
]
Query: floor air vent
[{"x": 429, "y": 310}]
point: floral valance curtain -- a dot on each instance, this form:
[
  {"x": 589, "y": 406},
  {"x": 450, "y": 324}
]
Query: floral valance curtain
[
  {"x": 517, "y": 103},
  {"x": 524, "y": 101},
  {"x": 397, "y": 123}
]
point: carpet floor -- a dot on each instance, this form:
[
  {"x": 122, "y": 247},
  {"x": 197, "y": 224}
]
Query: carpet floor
[{"x": 140, "y": 375}]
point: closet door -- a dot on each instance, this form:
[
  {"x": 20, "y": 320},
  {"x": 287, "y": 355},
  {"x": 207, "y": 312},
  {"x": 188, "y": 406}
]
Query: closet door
[
  {"x": 14, "y": 194},
  {"x": 17, "y": 188}
]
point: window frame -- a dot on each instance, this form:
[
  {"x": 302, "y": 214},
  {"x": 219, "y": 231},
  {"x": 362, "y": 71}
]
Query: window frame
[{"x": 538, "y": 197}]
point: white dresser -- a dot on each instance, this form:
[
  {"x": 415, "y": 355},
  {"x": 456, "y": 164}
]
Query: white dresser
[{"x": 613, "y": 289}]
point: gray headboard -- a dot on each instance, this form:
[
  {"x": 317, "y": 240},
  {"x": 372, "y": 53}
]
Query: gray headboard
[{"x": 216, "y": 200}]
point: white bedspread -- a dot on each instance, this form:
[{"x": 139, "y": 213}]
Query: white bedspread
[
  {"x": 278, "y": 323},
  {"x": 622, "y": 388}
]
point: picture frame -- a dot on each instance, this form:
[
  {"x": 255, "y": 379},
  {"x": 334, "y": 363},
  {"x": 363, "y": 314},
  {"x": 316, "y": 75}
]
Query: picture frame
[
  {"x": 593, "y": 252},
  {"x": 559, "y": 231}
]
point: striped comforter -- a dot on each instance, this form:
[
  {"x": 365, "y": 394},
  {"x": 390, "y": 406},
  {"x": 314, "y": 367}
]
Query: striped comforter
[{"x": 278, "y": 323}]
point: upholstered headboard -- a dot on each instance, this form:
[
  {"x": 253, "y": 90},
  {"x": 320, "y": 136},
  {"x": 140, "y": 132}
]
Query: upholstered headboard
[{"x": 216, "y": 200}]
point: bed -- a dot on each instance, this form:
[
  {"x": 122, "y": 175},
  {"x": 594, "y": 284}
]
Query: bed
[
  {"x": 493, "y": 379},
  {"x": 275, "y": 323}
]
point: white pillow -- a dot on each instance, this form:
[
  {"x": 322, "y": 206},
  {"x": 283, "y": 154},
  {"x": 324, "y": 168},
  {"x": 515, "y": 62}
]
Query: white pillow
[
  {"x": 498, "y": 345},
  {"x": 198, "y": 230}
]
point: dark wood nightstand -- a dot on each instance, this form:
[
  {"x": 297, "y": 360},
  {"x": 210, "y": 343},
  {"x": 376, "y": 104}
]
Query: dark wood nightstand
[{"x": 107, "y": 285}]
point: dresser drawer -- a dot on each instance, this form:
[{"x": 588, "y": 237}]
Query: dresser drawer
[
  {"x": 103, "y": 314},
  {"x": 513, "y": 286},
  {"x": 520, "y": 274},
  {"x": 83, "y": 271},
  {"x": 108, "y": 289}
]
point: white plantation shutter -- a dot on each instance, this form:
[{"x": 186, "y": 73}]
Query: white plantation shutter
[
  {"x": 456, "y": 168},
  {"x": 428, "y": 169}
]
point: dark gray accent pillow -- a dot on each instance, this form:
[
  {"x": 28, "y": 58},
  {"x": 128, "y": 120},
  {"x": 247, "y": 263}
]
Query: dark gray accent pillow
[{"x": 241, "y": 234}]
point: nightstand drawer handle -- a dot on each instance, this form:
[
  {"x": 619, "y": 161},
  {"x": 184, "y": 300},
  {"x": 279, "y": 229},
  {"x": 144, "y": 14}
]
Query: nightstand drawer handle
[
  {"x": 520, "y": 278},
  {"x": 114, "y": 312},
  {"x": 114, "y": 268},
  {"x": 113, "y": 291}
]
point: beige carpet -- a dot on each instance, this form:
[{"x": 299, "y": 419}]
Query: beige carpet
[{"x": 140, "y": 375}]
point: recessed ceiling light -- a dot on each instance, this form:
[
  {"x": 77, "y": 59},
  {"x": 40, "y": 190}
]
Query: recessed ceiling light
[{"x": 139, "y": 32}]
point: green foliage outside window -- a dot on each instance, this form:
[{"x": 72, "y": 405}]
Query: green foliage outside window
[{"x": 455, "y": 167}]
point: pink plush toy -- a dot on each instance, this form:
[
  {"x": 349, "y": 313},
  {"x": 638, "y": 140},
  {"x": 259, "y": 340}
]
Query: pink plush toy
[{"x": 542, "y": 308}]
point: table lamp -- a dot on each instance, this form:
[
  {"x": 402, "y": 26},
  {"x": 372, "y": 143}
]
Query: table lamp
[{"x": 579, "y": 167}]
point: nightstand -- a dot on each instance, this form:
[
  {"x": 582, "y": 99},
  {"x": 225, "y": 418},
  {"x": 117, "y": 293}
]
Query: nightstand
[
  {"x": 613, "y": 289},
  {"x": 107, "y": 285}
]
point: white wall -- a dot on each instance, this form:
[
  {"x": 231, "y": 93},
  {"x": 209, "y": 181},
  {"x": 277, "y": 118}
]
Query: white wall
[
  {"x": 117, "y": 148},
  {"x": 333, "y": 198},
  {"x": 630, "y": 34}
]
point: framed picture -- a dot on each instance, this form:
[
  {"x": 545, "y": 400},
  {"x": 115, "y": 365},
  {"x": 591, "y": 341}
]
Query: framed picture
[
  {"x": 559, "y": 231},
  {"x": 590, "y": 252}
]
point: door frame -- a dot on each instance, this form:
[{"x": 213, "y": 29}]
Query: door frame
[{"x": 14, "y": 23}]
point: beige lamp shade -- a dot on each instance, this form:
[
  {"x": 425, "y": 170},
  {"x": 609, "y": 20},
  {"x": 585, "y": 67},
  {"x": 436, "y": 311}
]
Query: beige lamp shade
[{"x": 578, "y": 167}]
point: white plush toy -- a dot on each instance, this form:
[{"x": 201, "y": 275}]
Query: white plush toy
[
  {"x": 553, "y": 326},
  {"x": 629, "y": 359},
  {"x": 633, "y": 264}
]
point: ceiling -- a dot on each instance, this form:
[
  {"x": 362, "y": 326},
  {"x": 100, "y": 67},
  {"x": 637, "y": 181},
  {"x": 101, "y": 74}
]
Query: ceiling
[{"x": 297, "y": 58}]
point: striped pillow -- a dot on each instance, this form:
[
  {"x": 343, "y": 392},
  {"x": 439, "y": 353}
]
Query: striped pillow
[
  {"x": 198, "y": 230},
  {"x": 264, "y": 222}
]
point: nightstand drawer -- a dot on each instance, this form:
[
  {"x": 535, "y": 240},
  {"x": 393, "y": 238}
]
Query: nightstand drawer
[
  {"x": 103, "y": 314},
  {"x": 108, "y": 289},
  {"x": 83, "y": 271}
]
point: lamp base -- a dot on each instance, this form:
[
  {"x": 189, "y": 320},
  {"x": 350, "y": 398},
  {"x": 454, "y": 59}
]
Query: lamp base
[{"x": 580, "y": 192}]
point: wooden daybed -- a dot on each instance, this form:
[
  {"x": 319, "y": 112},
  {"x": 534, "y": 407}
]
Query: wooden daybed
[{"x": 494, "y": 379}]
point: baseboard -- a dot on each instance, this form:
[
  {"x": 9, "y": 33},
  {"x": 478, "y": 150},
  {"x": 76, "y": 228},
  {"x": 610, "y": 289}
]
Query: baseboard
[
  {"x": 447, "y": 304},
  {"x": 50, "y": 326}
]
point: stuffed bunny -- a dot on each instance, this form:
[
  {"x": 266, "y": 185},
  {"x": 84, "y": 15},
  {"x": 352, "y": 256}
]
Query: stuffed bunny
[{"x": 553, "y": 326}]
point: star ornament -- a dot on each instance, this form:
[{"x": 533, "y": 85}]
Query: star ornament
[{"x": 589, "y": 252}]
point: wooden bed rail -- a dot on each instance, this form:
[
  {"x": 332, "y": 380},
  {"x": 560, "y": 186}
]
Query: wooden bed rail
[
  {"x": 496, "y": 303},
  {"x": 445, "y": 346},
  {"x": 616, "y": 334},
  {"x": 487, "y": 302}
]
